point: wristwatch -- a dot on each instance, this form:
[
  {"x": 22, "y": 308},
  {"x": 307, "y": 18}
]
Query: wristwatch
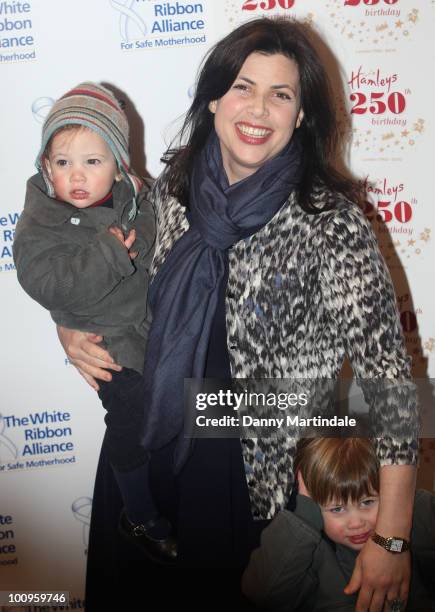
[{"x": 393, "y": 544}]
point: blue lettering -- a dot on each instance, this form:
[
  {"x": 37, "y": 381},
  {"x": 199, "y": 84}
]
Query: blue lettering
[
  {"x": 22, "y": 41},
  {"x": 8, "y": 235},
  {"x": 15, "y": 466},
  {"x": 166, "y": 9},
  {"x": 7, "y": 549},
  {"x": 45, "y": 417},
  {"x": 13, "y": 218},
  {"x": 15, "y": 57},
  {"x": 10, "y": 266},
  {"x": 39, "y": 449},
  {"x": 19, "y": 24},
  {"x": 142, "y": 44},
  {"x": 37, "y": 433},
  {"x": 168, "y": 25},
  {"x": 14, "y": 7},
  {"x": 13, "y": 421},
  {"x": 6, "y": 252}
]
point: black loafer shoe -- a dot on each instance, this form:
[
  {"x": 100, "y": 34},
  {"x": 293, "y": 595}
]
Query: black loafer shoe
[{"x": 158, "y": 550}]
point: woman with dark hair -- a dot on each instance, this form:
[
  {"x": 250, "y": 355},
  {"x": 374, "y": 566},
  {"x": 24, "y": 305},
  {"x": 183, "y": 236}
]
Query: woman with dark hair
[{"x": 264, "y": 268}]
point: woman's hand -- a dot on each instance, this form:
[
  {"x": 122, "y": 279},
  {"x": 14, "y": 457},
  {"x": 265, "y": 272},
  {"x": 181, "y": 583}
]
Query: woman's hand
[
  {"x": 83, "y": 351},
  {"x": 380, "y": 577}
]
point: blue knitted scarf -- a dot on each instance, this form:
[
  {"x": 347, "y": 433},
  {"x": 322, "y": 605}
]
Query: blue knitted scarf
[{"x": 184, "y": 293}]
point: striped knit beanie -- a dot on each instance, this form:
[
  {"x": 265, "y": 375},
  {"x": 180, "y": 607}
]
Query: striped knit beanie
[{"x": 95, "y": 107}]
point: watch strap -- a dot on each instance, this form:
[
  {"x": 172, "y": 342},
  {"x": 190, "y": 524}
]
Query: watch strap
[{"x": 392, "y": 544}]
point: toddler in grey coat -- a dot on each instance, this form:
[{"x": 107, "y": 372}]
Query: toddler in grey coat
[{"x": 82, "y": 249}]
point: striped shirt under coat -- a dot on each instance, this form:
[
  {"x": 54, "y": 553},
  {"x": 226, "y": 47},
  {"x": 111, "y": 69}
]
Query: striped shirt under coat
[{"x": 304, "y": 292}]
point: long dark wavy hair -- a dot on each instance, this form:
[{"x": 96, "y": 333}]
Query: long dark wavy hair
[{"x": 318, "y": 130}]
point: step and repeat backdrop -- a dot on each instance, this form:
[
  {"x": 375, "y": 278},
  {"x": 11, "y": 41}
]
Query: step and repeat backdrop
[{"x": 380, "y": 56}]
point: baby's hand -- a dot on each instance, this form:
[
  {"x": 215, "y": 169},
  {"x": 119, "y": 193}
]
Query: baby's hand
[{"x": 127, "y": 242}]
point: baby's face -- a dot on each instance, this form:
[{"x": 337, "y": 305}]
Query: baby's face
[
  {"x": 81, "y": 167},
  {"x": 352, "y": 523}
]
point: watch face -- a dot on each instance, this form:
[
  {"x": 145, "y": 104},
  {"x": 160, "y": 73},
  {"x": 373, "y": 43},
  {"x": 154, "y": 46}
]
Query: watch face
[{"x": 396, "y": 545}]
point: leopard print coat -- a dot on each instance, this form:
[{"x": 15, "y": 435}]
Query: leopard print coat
[{"x": 304, "y": 292}]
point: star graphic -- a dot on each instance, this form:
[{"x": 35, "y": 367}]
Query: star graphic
[
  {"x": 411, "y": 243},
  {"x": 405, "y": 133},
  {"x": 350, "y": 35},
  {"x": 399, "y": 24},
  {"x": 412, "y": 17}
]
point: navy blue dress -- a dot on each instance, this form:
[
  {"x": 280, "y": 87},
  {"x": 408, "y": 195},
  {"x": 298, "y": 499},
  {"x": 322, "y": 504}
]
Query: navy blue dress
[{"x": 208, "y": 505}]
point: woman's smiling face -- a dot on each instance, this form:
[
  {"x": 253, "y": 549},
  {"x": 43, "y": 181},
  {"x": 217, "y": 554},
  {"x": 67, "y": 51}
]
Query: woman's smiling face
[{"x": 257, "y": 116}]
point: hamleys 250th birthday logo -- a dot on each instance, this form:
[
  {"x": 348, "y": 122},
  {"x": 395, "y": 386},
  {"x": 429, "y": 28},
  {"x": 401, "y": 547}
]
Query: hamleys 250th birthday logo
[
  {"x": 373, "y": 25},
  {"x": 393, "y": 210},
  {"x": 383, "y": 119},
  {"x": 237, "y": 11}
]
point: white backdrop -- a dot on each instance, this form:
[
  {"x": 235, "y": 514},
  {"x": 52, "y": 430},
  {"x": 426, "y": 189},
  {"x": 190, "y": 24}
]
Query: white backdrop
[{"x": 51, "y": 423}]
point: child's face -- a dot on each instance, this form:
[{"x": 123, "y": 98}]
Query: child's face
[
  {"x": 81, "y": 167},
  {"x": 351, "y": 524}
]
